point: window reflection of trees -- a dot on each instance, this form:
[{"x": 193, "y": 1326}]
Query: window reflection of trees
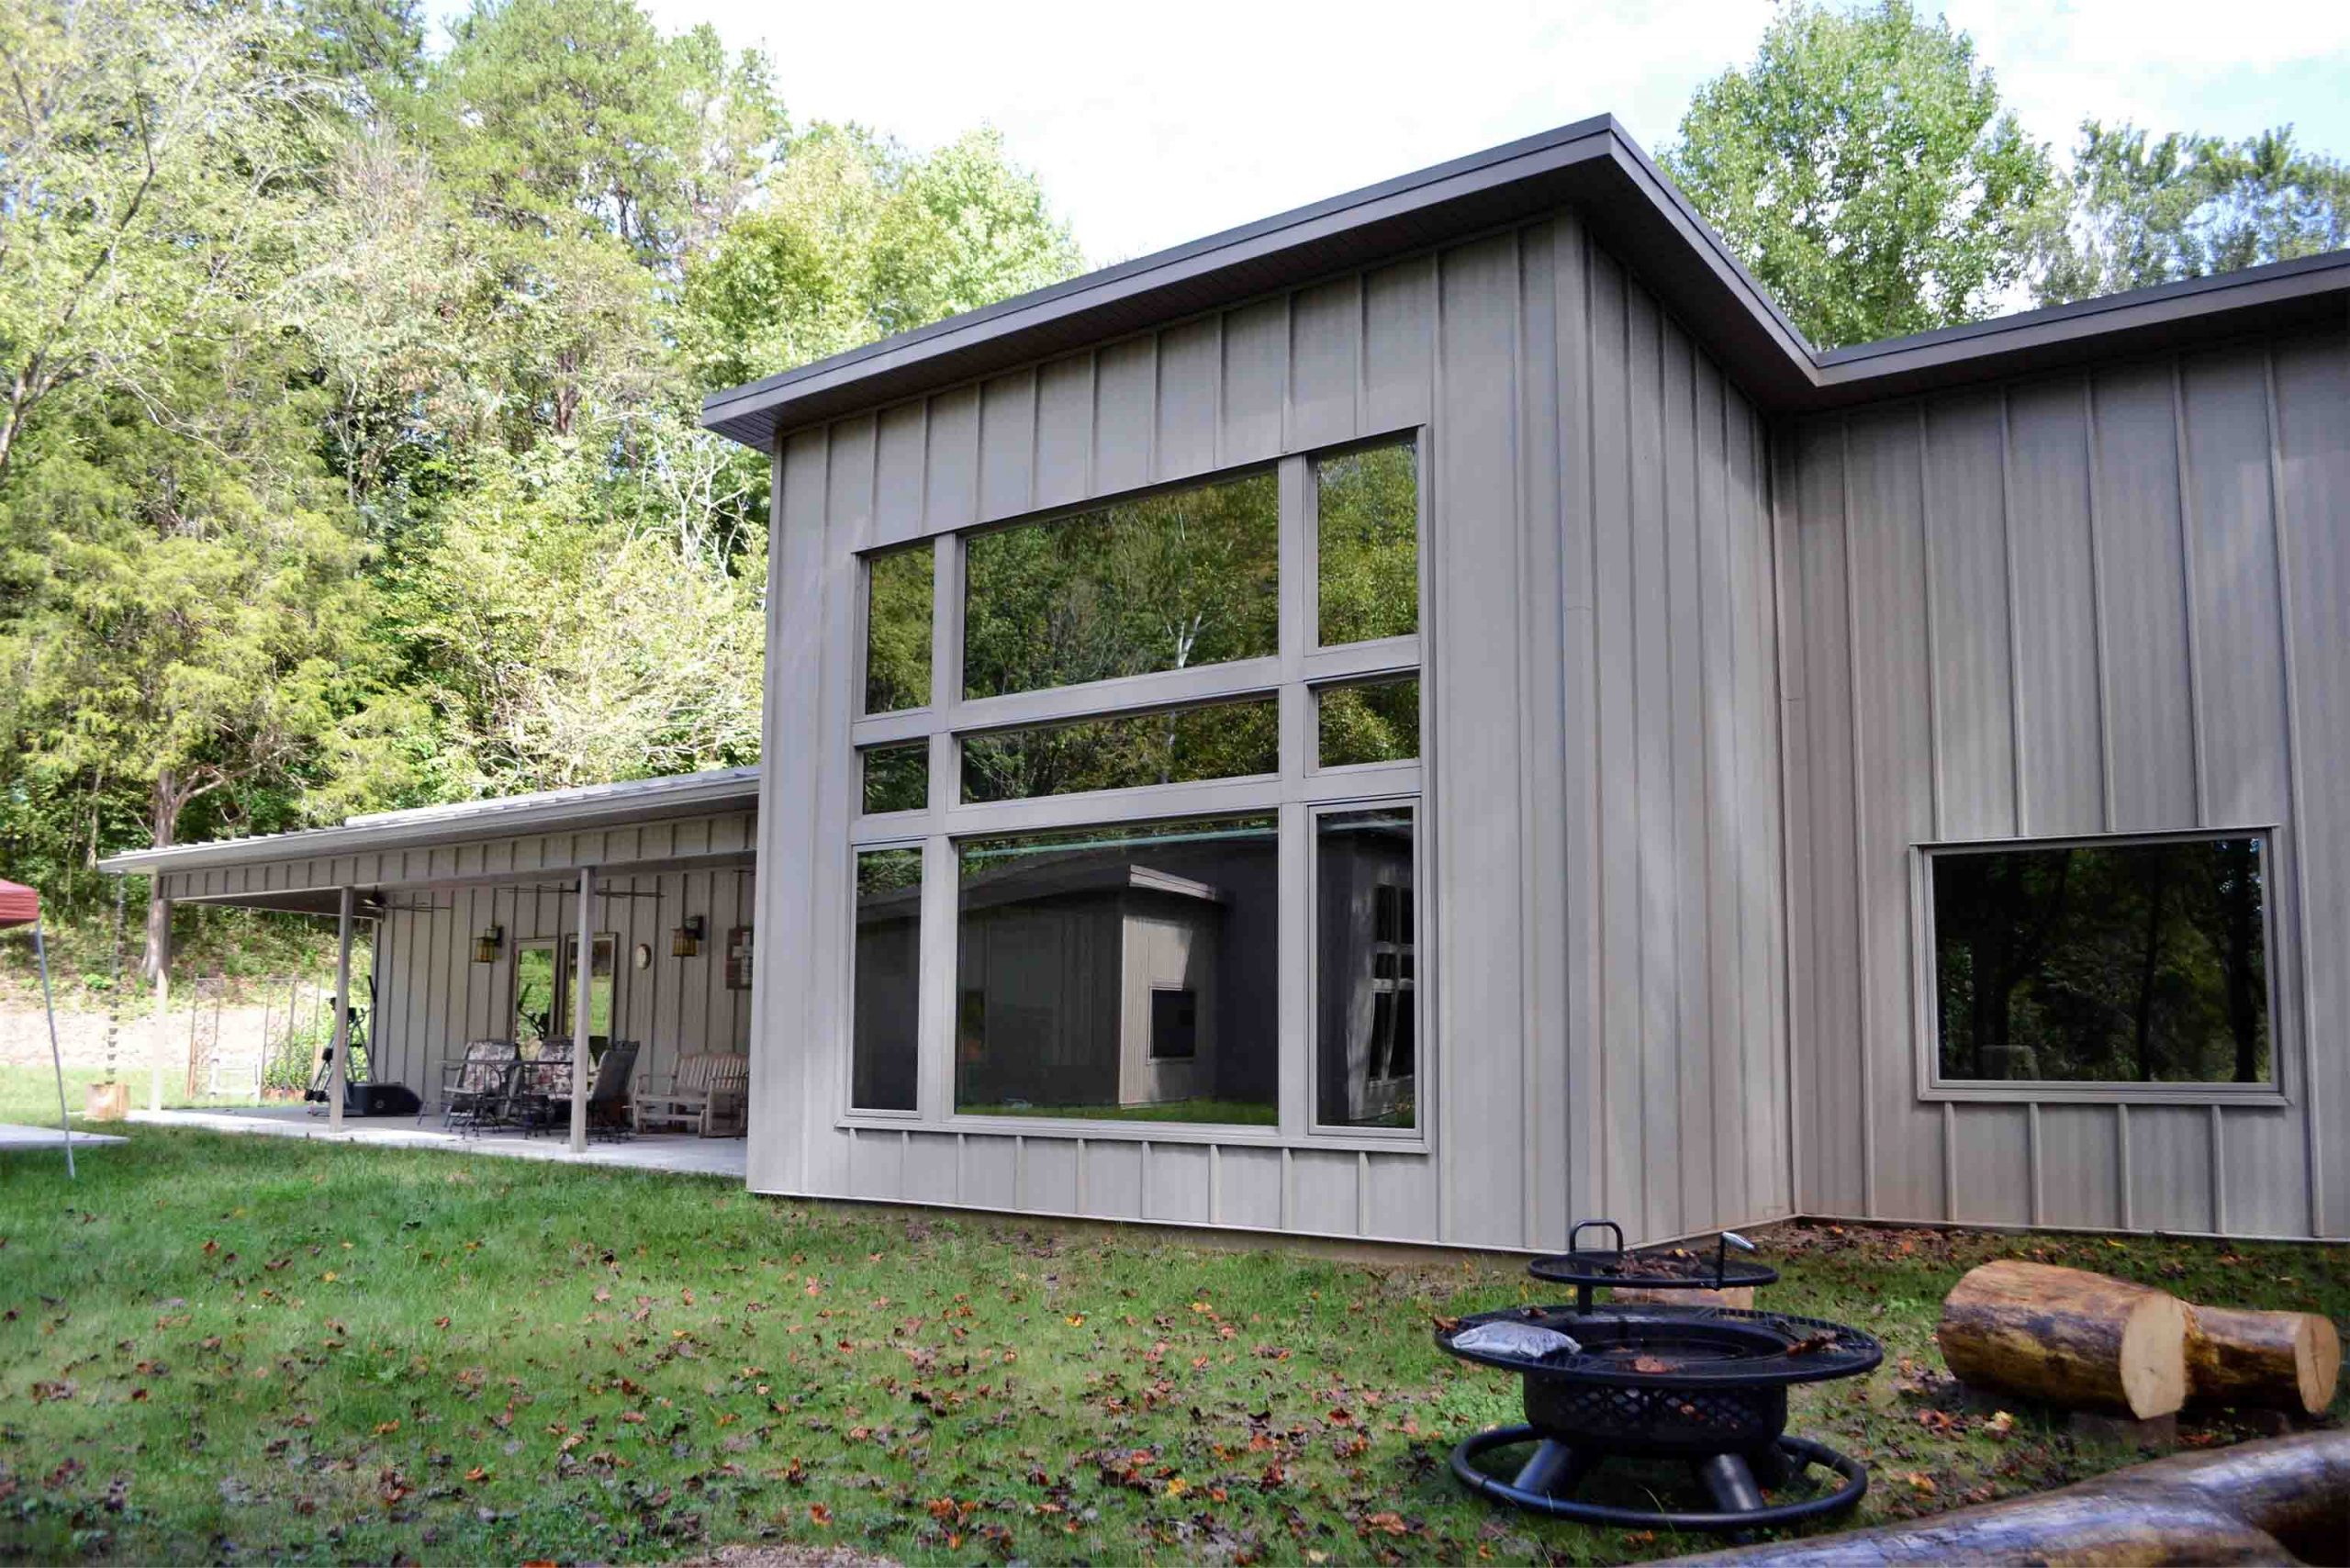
[
  {"x": 2142, "y": 962},
  {"x": 1165, "y": 582}
]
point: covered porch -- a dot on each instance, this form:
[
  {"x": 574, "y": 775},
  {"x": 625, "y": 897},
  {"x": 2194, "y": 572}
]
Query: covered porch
[{"x": 600, "y": 937}]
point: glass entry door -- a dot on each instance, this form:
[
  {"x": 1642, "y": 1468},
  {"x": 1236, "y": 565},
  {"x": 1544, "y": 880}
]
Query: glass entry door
[{"x": 546, "y": 984}]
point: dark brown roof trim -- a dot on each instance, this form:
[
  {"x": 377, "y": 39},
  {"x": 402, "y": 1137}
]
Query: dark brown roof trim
[{"x": 1629, "y": 206}]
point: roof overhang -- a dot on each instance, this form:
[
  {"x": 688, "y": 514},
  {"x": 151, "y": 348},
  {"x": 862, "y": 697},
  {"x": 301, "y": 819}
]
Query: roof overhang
[
  {"x": 598, "y": 805},
  {"x": 1628, "y": 206}
]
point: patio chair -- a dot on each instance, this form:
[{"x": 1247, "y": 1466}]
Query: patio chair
[
  {"x": 705, "y": 1095},
  {"x": 608, "y": 1097},
  {"x": 474, "y": 1090},
  {"x": 543, "y": 1090}
]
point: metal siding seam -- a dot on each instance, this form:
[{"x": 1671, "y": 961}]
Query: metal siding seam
[
  {"x": 1288, "y": 373},
  {"x": 1777, "y": 457},
  {"x": 962, "y": 1183},
  {"x": 2032, "y": 1159},
  {"x": 1289, "y": 1199},
  {"x": 1950, "y": 1160},
  {"x": 2015, "y": 632},
  {"x": 1019, "y": 1171},
  {"x": 1430, "y": 603},
  {"x": 1215, "y": 1184},
  {"x": 1528, "y": 1056},
  {"x": 1362, "y": 1192},
  {"x": 2121, "y": 1158},
  {"x": 2186, "y": 569},
  {"x": 2296, "y": 799},
  {"x": 1215, "y": 392},
  {"x": 1860, "y": 824},
  {"x": 2096, "y": 598},
  {"x": 1705, "y": 900},
  {"x": 2218, "y": 1174},
  {"x": 1735, "y": 807},
  {"x": 1036, "y": 431},
  {"x": 1585, "y": 1045},
  {"x": 1363, "y": 349},
  {"x": 1934, "y": 628},
  {"x": 1082, "y": 1205},
  {"x": 1091, "y": 480}
]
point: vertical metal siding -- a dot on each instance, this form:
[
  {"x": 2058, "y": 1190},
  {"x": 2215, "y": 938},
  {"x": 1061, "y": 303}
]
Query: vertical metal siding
[
  {"x": 1601, "y": 649},
  {"x": 2130, "y": 586}
]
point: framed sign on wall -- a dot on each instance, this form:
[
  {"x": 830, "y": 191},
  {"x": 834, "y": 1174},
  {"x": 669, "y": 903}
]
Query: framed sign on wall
[{"x": 738, "y": 959}]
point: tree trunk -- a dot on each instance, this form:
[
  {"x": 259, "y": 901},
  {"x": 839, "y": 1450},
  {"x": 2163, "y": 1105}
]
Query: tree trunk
[
  {"x": 2263, "y": 1502},
  {"x": 2069, "y": 1337},
  {"x": 2288, "y": 1361},
  {"x": 163, "y": 805}
]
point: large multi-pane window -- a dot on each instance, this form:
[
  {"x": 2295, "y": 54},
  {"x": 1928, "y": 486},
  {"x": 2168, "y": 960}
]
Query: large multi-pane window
[
  {"x": 2103, "y": 961},
  {"x": 1139, "y": 836}
]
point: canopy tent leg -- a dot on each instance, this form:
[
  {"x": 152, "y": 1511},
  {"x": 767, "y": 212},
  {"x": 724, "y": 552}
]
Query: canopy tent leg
[
  {"x": 339, "y": 1066},
  {"x": 581, "y": 1020},
  {"x": 56, "y": 1056}
]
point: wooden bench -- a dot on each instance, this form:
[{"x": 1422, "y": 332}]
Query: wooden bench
[{"x": 707, "y": 1094}]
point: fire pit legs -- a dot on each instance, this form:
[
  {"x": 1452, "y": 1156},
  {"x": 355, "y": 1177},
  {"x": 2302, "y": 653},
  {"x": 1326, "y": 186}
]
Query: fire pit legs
[
  {"x": 1725, "y": 1475},
  {"x": 1731, "y": 1513},
  {"x": 1553, "y": 1470}
]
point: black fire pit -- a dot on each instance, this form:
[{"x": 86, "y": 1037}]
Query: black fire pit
[{"x": 1705, "y": 1385}]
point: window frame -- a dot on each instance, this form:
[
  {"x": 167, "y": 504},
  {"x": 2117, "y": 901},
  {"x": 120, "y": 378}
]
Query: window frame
[
  {"x": 1291, "y": 676},
  {"x": 1925, "y": 989}
]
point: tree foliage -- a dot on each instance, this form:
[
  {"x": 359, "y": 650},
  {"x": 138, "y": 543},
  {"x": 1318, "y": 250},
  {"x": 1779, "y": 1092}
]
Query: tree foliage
[
  {"x": 1863, "y": 169},
  {"x": 348, "y": 454}
]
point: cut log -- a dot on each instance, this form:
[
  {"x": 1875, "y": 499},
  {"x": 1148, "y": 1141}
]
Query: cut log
[
  {"x": 2279, "y": 1500},
  {"x": 2067, "y": 1337},
  {"x": 2281, "y": 1361}
]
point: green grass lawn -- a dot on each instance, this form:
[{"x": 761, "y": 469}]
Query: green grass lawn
[{"x": 231, "y": 1347}]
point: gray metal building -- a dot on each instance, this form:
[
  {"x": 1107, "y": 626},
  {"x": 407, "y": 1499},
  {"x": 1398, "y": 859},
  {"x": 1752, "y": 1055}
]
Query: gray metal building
[{"x": 1437, "y": 714}]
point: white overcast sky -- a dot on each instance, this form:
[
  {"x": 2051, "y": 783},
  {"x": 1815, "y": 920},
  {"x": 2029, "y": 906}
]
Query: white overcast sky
[{"x": 1151, "y": 124}]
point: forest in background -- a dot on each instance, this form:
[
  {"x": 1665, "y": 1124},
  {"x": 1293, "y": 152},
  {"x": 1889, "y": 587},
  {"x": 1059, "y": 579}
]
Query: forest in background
[{"x": 348, "y": 379}]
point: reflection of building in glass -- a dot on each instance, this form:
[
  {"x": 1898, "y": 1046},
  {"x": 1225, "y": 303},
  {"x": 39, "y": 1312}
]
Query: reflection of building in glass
[
  {"x": 1108, "y": 976},
  {"x": 1368, "y": 1028}
]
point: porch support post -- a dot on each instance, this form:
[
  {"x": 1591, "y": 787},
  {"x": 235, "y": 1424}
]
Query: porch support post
[
  {"x": 162, "y": 1010},
  {"x": 339, "y": 1069},
  {"x": 585, "y": 970}
]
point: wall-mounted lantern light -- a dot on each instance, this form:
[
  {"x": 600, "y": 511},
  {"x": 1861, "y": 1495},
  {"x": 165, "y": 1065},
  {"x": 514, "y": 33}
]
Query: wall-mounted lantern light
[
  {"x": 486, "y": 944},
  {"x": 686, "y": 941}
]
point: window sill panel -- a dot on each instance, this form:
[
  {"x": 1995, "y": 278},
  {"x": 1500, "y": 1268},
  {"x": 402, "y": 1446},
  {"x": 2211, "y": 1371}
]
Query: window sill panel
[
  {"x": 1229, "y": 1134},
  {"x": 2249, "y": 1096}
]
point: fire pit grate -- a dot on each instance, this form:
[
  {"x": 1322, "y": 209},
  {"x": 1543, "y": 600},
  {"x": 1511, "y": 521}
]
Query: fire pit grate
[{"x": 1651, "y": 1268}]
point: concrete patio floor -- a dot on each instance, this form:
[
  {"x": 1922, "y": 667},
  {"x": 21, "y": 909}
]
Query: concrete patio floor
[
  {"x": 13, "y": 1135},
  {"x": 673, "y": 1152}
]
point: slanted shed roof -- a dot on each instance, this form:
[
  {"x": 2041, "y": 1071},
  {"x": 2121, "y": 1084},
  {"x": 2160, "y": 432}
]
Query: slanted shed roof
[
  {"x": 1592, "y": 165},
  {"x": 548, "y": 811}
]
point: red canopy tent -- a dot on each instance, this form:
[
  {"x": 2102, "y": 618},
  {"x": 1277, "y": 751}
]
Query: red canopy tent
[{"x": 20, "y": 905}]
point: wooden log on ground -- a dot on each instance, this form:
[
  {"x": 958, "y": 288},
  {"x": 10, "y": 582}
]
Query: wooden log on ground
[
  {"x": 2067, "y": 1337},
  {"x": 2270, "y": 1501},
  {"x": 2282, "y": 1360}
]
